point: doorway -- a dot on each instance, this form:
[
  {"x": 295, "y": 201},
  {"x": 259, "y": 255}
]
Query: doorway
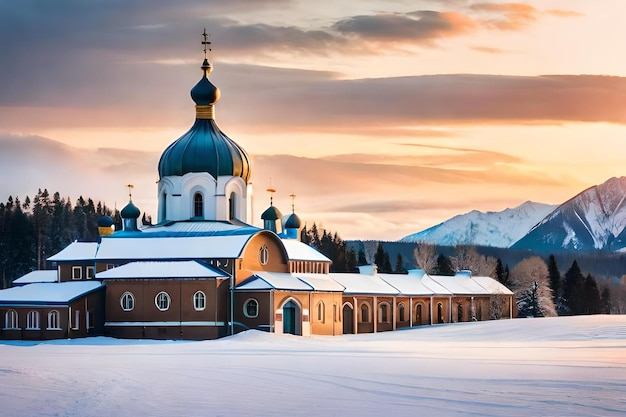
[
  {"x": 348, "y": 319},
  {"x": 291, "y": 318}
]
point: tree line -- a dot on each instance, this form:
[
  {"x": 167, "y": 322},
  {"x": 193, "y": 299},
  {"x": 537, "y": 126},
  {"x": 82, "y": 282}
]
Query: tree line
[{"x": 34, "y": 229}]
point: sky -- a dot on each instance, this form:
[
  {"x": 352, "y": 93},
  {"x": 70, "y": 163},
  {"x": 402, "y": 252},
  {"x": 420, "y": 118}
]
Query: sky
[
  {"x": 383, "y": 117},
  {"x": 561, "y": 366}
]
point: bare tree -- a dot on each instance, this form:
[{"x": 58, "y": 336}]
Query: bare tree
[
  {"x": 426, "y": 256},
  {"x": 467, "y": 257},
  {"x": 530, "y": 276}
]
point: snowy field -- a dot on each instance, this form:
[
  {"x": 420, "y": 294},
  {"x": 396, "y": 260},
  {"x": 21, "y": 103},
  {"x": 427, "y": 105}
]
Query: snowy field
[{"x": 568, "y": 366}]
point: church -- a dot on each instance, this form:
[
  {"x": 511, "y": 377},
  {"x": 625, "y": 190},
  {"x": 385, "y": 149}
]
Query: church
[{"x": 204, "y": 272}]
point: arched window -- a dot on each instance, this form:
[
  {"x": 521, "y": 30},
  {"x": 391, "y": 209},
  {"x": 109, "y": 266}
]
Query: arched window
[
  {"x": 199, "y": 301},
  {"x": 164, "y": 207},
  {"x": 251, "y": 308},
  {"x": 162, "y": 301},
  {"x": 321, "y": 313},
  {"x": 53, "y": 320},
  {"x": 232, "y": 202},
  {"x": 365, "y": 313},
  {"x": 383, "y": 312},
  {"x": 440, "y": 313},
  {"x": 264, "y": 255},
  {"x": 418, "y": 314},
  {"x": 198, "y": 206},
  {"x": 32, "y": 320},
  {"x": 127, "y": 301},
  {"x": 11, "y": 320},
  {"x": 459, "y": 312},
  {"x": 401, "y": 312}
]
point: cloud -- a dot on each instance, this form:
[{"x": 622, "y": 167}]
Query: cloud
[
  {"x": 509, "y": 16},
  {"x": 489, "y": 50}
]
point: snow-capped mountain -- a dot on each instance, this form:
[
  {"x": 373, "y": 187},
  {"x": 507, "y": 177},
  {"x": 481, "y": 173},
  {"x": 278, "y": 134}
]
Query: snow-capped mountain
[
  {"x": 595, "y": 219},
  {"x": 499, "y": 229}
]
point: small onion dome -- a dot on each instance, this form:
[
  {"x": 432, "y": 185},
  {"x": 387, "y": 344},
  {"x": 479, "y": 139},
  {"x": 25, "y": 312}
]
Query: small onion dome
[
  {"x": 105, "y": 221},
  {"x": 292, "y": 221},
  {"x": 272, "y": 213},
  {"x": 205, "y": 93},
  {"x": 130, "y": 211}
]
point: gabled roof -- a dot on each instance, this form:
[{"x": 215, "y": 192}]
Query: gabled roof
[
  {"x": 274, "y": 281},
  {"x": 364, "y": 284},
  {"x": 298, "y": 251},
  {"x": 407, "y": 284},
  {"x": 492, "y": 285},
  {"x": 57, "y": 293},
  {"x": 320, "y": 282},
  {"x": 460, "y": 285},
  {"x": 77, "y": 251},
  {"x": 194, "y": 228},
  {"x": 165, "y": 269},
  {"x": 49, "y": 275},
  {"x": 153, "y": 248}
]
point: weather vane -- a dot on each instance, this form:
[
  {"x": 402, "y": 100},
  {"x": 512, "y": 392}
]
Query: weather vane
[
  {"x": 206, "y": 42},
  {"x": 293, "y": 202},
  {"x": 271, "y": 191}
]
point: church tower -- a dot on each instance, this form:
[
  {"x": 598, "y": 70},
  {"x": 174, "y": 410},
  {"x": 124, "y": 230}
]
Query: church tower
[{"x": 204, "y": 175}]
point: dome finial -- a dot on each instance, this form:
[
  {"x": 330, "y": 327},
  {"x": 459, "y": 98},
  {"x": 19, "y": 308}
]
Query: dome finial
[
  {"x": 271, "y": 191},
  {"x": 293, "y": 202},
  {"x": 206, "y": 67},
  {"x": 130, "y": 193}
]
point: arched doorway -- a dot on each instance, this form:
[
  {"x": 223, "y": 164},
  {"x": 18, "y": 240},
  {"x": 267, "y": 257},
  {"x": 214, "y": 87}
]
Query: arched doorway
[
  {"x": 439, "y": 313},
  {"x": 291, "y": 318},
  {"x": 418, "y": 315},
  {"x": 348, "y": 319}
]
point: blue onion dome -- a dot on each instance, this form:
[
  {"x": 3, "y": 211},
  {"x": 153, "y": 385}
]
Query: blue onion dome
[
  {"x": 272, "y": 213},
  {"x": 130, "y": 211},
  {"x": 205, "y": 148},
  {"x": 292, "y": 222},
  {"x": 105, "y": 221}
]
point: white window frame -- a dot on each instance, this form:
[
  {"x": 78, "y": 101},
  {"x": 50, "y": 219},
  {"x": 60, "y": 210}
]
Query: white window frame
[
  {"x": 76, "y": 322},
  {"x": 199, "y": 301},
  {"x": 32, "y": 320},
  {"x": 264, "y": 255},
  {"x": 127, "y": 301},
  {"x": 162, "y": 301},
  {"x": 78, "y": 275},
  {"x": 401, "y": 308},
  {"x": 54, "y": 318},
  {"x": 387, "y": 309},
  {"x": 368, "y": 311},
  {"x": 89, "y": 272},
  {"x": 245, "y": 308},
  {"x": 11, "y": 319},
  {"x": 88, "y": 317}
]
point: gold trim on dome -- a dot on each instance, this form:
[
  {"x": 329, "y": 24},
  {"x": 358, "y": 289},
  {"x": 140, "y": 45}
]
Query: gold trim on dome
[{"x": 205, "y": 112}]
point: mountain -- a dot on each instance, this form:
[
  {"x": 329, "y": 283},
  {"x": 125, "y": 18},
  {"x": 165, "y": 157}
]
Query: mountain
[
  {"x": 499, "y": 229},
  {"x": 595, "y": 219}
]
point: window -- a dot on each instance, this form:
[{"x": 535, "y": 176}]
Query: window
[
  {"x": 199, "y": 301},
  {"x": 53, "y": 320},
  {"x": 383, "y": 313},
  {"x": 89, "y": 272},
  {"x": 198, "y": 209},
  {"x": 231, "y": 206},
  {"x": 459, "y": 311},
  {"x": 162, "y": 301},
  {"x": 77, "y": 272},
  {"x": 365, "y": 313},
  {"x": 320, "y": 311},
  {"x": 401, "y": 312},
  {"x": 127, "y": 301},
  {"x": 264, "y": 255},
  {"x": 251, "y": 308},
  {"x": 11, "y": 320},
  {"x": 32, "y": 320},
  {"x": 418, "y": 314},
  {"x": 91, "y": 323},
  {"x": 76, "y": 324},
  {"x": 110, "y": 266},
  {"x": 439, "y": 313}
]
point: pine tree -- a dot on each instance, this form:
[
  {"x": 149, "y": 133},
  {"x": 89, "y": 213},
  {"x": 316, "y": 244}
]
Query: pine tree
[
  {"x": 499, "y": 271},
  {"x": 399, "y": 268},
  {"x": 555, "y": 280},
  {"x": 444, "y": 266},
  {"x": 573, "y": 291},
  {"x": 592, "y": 303},
  {"x": 605, "y": 300},
  {"x": 361, "y": 258}
]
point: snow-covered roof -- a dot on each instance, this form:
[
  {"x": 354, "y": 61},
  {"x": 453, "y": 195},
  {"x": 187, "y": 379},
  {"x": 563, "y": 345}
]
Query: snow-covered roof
[
  {"x": 274, "y": 280},
  {"x": 49, "y": 275},
  {"x": 198, "y": 228},
  {"x": 320, "y": 282},
  {"x": 407, "y": 284},
  {"x": 47, "y": 292},
  {"x": 199, "y": 247},
  {"x": 364, "y": 284},
  {"x": 492, "y": 285},
  {"x": 171, "y": 269},
  {"x": 460, "y": 285},
  {"x": 76, "y": 251},
  {"x": 298, "y": 251},
  {"x": 436, "y": 287}
]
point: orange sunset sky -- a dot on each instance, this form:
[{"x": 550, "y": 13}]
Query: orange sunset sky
[{"x": 383, "y": 117}]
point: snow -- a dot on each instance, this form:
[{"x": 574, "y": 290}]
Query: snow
[
  {"x": 407, "y": 284},
  {"x": 274, "y": 280},
  {"x": 49, "y": 275},
  {"x": 57, "y": 292},
  {"x": 564, "y": 366},
  {"x": 364, "y": 284},
  {"x": 76, "y": 251},
  {"x": 460, "y": 285},
  {"x": 491, "y": 285},
  {"x": 173, "y": 269},
  {"x": 298, "y": 251}
]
